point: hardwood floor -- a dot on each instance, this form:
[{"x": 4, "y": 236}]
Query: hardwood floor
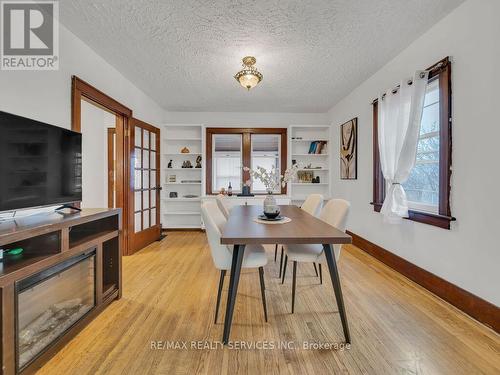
[{"x": 170, "y": 289}]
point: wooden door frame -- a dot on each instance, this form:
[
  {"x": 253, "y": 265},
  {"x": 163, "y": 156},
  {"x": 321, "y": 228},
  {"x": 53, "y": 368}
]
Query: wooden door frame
[
  {"x": 111, "y": 166},
  {"x": 137, "y": 243},
  {"x": 83, "y": 90}
]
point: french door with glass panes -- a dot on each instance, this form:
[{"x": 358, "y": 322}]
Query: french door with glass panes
[{"x": 144, "y": 226}]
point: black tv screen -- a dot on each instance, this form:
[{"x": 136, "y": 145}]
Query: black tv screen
[{"x": 40, "y": 164}]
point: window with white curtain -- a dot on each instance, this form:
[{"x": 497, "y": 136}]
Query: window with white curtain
[
  {"x": 266, "y": 153},
  {"x": 227, "y": 161},
  {"x": 422, "y": 186}
]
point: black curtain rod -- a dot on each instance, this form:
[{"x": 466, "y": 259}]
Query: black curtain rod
[{"x": 433, "y": 70}]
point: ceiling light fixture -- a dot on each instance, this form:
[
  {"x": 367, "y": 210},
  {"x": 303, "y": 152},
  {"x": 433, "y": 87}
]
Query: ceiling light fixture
[{"x": 249, "y": 76}]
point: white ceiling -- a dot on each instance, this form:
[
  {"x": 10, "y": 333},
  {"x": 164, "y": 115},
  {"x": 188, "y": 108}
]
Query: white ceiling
[{"x": 184, "y": 53}]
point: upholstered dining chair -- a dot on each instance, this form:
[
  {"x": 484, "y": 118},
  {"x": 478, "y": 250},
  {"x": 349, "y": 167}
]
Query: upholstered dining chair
[
  {"x": 335, "y": 213},
  {"x": 223, "y": 207},
  {"x": 255, "y": 255},
  {"x": 312, "y": 205}
]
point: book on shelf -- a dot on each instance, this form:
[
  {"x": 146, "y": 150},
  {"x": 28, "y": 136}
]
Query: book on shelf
[{"x": 316, "y": 147}]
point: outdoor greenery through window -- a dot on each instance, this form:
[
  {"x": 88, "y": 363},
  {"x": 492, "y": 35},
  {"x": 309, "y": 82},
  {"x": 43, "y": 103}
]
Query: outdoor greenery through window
[{"x": 422, "y": 186}]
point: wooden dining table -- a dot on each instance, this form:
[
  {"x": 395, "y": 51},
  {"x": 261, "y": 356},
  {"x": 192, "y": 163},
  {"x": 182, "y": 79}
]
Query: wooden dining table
[{"x": 241, "y": 230}]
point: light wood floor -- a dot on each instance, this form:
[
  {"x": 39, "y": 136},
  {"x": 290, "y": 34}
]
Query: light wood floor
[{"x": 169, "y": 294}]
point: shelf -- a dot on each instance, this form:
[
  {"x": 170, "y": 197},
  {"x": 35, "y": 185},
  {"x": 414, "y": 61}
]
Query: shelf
[
  {"x": 309, "y": 154},
  {"x": 190, "y": 213},
  {"x": 183, "y": 183},
  {"x": 314, "y": 170},
  {"x": 310, "y": 140},
  {"x": 183, "y": 169},
  {"x": 182, "y": 199},
  {"x": 309, "y": 183},
  {"x": 182, "y": 154}
]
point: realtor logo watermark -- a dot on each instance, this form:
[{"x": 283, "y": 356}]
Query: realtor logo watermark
[{"x": 29, "y": 35}]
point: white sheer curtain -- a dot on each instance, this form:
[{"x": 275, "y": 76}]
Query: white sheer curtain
[{"x": 399, "y": 115}]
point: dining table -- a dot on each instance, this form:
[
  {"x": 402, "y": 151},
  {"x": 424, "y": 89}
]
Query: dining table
[{"x": 242, "y": 229}]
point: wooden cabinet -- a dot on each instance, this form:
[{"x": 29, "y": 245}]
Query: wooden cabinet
[{"x": 50, "y": 241}]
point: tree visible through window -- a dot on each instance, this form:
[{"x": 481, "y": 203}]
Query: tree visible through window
[{"x": 422, "y": 186}]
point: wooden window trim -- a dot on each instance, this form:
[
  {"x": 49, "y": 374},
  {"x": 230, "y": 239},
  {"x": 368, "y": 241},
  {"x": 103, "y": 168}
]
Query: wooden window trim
[
  {"x": 442, "y": 71},
  {"x": 246, "y": 150}
]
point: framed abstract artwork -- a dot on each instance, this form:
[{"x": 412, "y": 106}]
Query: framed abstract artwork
[{"x": 349, "y": 150}]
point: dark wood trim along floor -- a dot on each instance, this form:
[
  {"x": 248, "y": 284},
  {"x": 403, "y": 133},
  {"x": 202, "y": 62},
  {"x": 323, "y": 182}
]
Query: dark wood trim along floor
[{"x": 481, "y": 310}]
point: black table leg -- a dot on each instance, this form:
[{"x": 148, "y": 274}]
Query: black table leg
[
  {"x": 334, "y": 274},
  {"x": 233, "y": 289}
]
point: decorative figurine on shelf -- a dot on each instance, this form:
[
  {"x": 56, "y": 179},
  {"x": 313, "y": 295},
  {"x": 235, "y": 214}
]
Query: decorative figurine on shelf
[
  {"x": 185, "y": 150},
  {"x": 169, "y": 164},
  {"x": 198, "y": 161},
  {"x": 315, "y": 180},
  {"x": 229, "y": 190},
  {"x": 173, "y": 194},
  {"x": 222, "y": 191},
  {"x": 294, "y": 161},
  {"x": 245, "y": 191},
  {"x": 187, "y": 164}
]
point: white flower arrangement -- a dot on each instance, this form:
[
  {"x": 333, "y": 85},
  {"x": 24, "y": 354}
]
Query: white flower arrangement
[{"x": 272, "y": 180}]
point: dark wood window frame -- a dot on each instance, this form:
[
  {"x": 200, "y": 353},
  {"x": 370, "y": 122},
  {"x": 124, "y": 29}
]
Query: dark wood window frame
[
  {"x": 246, "y": 149},
  {"x": 441, "y": 71}
]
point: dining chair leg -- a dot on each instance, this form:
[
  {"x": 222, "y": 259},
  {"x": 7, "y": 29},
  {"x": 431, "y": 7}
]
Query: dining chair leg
[
  {"x": 294, "y": 282},
  {"x": 263, "y": 291},
  {"x": 281, "y": 261},
  {"x": 234, "y": 278},
  {"x": 315, "y": 269},
  {"x": 275, "y": 252},
  {"x": 334, "y": 275},
  {"x": 219, "y": 294},
  {"x": 320, "y": 274},
  {"x": 284, "y": 269}
]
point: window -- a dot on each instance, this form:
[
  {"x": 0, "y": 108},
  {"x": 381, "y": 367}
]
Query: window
[
  {"x": 227, "y": 161},
  {"x": 428, "y": 186},
  {"x": 229, "y": 149},
  {"x": 266, "y": 154}
]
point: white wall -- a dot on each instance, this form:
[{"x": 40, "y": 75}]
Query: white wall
[
  {"x": 468, "y": 255},
  {"x": 46, "y": 95},
  {"x": 243, "y": 119},
  {"x": 95, "y": 124}
]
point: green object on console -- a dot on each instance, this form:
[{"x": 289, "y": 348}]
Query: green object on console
[{"x": 15, "y": 251}]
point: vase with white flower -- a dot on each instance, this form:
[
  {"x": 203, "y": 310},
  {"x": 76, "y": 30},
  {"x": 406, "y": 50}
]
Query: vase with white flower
[{"x": 272, "y": 181}]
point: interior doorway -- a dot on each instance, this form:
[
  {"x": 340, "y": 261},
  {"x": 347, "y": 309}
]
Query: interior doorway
[{"x": 87, "y": 98}]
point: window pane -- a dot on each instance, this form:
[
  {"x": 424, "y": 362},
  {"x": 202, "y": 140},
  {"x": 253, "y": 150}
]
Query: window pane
[
  {"x": 265, "y": 154},
  {"x": 137, "y": 158},
  {"x": 145, "y": 156},
  {"x": 145, "y": 218},
  {"x": 145, "y": 179},
  {"x": 137, "y": 222},
  {"x": 138, "y": 179},
  {"x": 145, "y": 140},
  {"x": 137, "y": 136},
  {"x": 153, "y": 215},
  {"x": 145, "y": 200},
  {"x": 422, "y": 187},
  {"x": 227, "y": 161},
  {"x": 153, "y": 198},
  {"x": 152, "y": 160},
  {"x": 137, "y": 201},
  {"x": 153, "y": 141}
]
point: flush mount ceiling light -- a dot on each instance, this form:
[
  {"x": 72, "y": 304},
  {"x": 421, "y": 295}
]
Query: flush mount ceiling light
[{"x": 249, "y": 76}]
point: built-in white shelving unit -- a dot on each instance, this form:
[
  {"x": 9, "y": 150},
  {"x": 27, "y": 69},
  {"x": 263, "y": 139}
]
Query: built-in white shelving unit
[
  {"x": 301, "y": 137},
  {"x": 181, "y": 212}
]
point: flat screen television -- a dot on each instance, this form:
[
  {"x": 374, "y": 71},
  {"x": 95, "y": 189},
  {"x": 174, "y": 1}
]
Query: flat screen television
[{"x": 40, "y": 164}]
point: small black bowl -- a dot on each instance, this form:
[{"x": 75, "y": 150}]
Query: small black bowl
[{"x": 273, "y": 215}]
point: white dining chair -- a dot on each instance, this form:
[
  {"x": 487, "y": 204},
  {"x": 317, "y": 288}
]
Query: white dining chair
[
  {"x": 335, "y": 213},
  {"x": 223, "y": 207},
  {"x": 312, "y": 205},
  {"x": 254, "y": 256}
]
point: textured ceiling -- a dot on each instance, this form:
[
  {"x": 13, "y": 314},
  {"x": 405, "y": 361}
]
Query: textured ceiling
[{"x": 184, "y": 53}]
